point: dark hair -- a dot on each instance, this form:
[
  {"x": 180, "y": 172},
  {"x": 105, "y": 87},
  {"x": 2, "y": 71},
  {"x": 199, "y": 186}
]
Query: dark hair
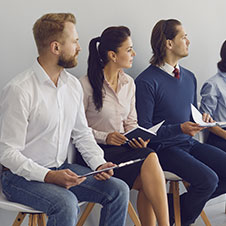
[
  {"x": 162, "y": 31},
  {"x": 222, "y": 63},
  {"x": 111, "y": 39}
]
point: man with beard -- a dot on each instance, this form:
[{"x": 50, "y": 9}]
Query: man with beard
[{"x": 41, "y": 110}]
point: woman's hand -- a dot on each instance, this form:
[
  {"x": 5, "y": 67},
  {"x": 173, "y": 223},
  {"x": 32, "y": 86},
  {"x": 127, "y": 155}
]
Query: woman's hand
[
  {"x": 116, "y": 138},
  {"x": 140, "y": 143}
]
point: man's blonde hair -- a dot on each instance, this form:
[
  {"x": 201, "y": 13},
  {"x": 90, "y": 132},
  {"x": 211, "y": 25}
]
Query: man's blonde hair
[{"x": 50, "y": 28}]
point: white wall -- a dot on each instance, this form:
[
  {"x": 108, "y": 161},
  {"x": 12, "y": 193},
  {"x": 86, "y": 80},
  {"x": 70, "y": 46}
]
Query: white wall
[{"x": 204, "y": 21}]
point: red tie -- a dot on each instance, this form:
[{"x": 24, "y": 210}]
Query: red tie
[{"x": 176, "y": 73}]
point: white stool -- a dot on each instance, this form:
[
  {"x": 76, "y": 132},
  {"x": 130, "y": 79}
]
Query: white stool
[{"x": 174, "y": 180}]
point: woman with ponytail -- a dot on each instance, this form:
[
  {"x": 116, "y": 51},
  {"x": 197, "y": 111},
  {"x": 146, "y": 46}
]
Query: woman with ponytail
[
  {"x": 109, "y": 101},
  {"x": 213, "y": 101}
]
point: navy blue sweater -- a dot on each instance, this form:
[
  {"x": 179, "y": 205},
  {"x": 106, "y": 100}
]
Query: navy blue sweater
[{"x": 159, "y": 96}]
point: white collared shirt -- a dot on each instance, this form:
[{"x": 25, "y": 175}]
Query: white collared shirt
[
  {"x": 169, "y": 69},
  {"x": 37, "y": 121}
]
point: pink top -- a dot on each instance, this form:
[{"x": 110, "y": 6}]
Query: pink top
[{"x": 118, "y": 112}]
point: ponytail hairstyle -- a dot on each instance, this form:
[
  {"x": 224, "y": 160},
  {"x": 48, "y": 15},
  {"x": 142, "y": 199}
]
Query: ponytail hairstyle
[
  {"x": 162, "y": 31},
  {"x": 110, "y": 40},
  {"x": 222, "y": 63}
]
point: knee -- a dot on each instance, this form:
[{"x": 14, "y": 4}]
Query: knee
[
  {"x": 119, "y": 191},
  {"x": 151, "y": 162},
  {"x": 66, "y": 207},
  {"x": 70, "y": 207},
  {"x": 152, "y": 157},
  {"x": 213, "y": 181},
  {"x": 123, "y": 190},
  {"x": 210, "y": 182}
]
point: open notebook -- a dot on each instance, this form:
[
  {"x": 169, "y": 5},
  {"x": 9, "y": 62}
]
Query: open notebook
[{"x": 144, "y": 133}]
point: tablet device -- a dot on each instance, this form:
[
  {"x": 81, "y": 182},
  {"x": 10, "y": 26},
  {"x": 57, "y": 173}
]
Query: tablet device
[{"x": 110, "y": 168}]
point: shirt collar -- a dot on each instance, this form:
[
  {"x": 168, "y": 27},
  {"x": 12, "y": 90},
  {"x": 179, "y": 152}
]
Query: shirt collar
[
  {"x": 122, "y": 78},
  {"x": 223, "y": 74},
  {"x": 169, "y": 68},
  {"x": 43, "y": 77}
]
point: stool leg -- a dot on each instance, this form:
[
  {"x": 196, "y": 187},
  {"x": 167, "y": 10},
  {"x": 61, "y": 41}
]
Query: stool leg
[
  {"x": 41, "y": 219},
  {"x": 205, "y": 218},
  {"x": 19, "y": 219},
  {"x": 133, "y": 215},
  {"x": 176, "y": 202},
  {"x": 85, "y": 213},
  {"x": 33, "y": 219}
]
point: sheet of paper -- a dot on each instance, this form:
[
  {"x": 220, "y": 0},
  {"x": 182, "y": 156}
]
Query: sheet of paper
[
  {"x": 155, "y": 128},
  {"x": 197, "y": 117}
]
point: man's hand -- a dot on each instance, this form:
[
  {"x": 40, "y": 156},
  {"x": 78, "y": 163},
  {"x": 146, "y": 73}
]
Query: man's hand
[
  {"x": 64, "y": 178},
  {"x": 115, "y": 138},
  {"x": 191, "y": 128},
  {"x": 107, "y": 174},
  {"x": 207, "y": 118},
  {"x": 140, "y": 143}
]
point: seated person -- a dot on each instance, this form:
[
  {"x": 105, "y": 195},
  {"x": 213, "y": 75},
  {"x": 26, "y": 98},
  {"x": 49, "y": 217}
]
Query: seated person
[
  {"x": 213, "y": 101},
  {"x": 165, "y": 91},
  {"x": 109, "y": 101},
  {"x": 41, "y": 109}
]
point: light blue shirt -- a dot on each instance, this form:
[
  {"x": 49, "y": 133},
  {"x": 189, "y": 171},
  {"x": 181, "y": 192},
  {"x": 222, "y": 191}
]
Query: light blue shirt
[{"x": 213, "y": 94}]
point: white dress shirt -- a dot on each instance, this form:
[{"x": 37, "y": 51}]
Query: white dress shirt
[
  {"x": 169, "y": 69},
  {"x": 37, "y": 121}
]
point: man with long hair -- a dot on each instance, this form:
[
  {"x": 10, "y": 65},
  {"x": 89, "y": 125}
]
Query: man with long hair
[{"x": 165, "y": 91}]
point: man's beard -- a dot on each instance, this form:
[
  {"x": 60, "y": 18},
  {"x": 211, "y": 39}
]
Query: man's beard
[{"x": 68, "y": 63}]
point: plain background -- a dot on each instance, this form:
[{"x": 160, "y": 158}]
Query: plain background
[{"x": 203, "y": 20}]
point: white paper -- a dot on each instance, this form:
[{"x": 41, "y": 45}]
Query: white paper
[
  {"x": 197, "y": 117},
  {"x": 155, "y": 128}
]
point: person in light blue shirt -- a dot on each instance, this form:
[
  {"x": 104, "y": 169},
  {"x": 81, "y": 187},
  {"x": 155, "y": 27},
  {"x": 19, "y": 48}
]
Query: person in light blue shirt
[{"x": 213, "y": 101}]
